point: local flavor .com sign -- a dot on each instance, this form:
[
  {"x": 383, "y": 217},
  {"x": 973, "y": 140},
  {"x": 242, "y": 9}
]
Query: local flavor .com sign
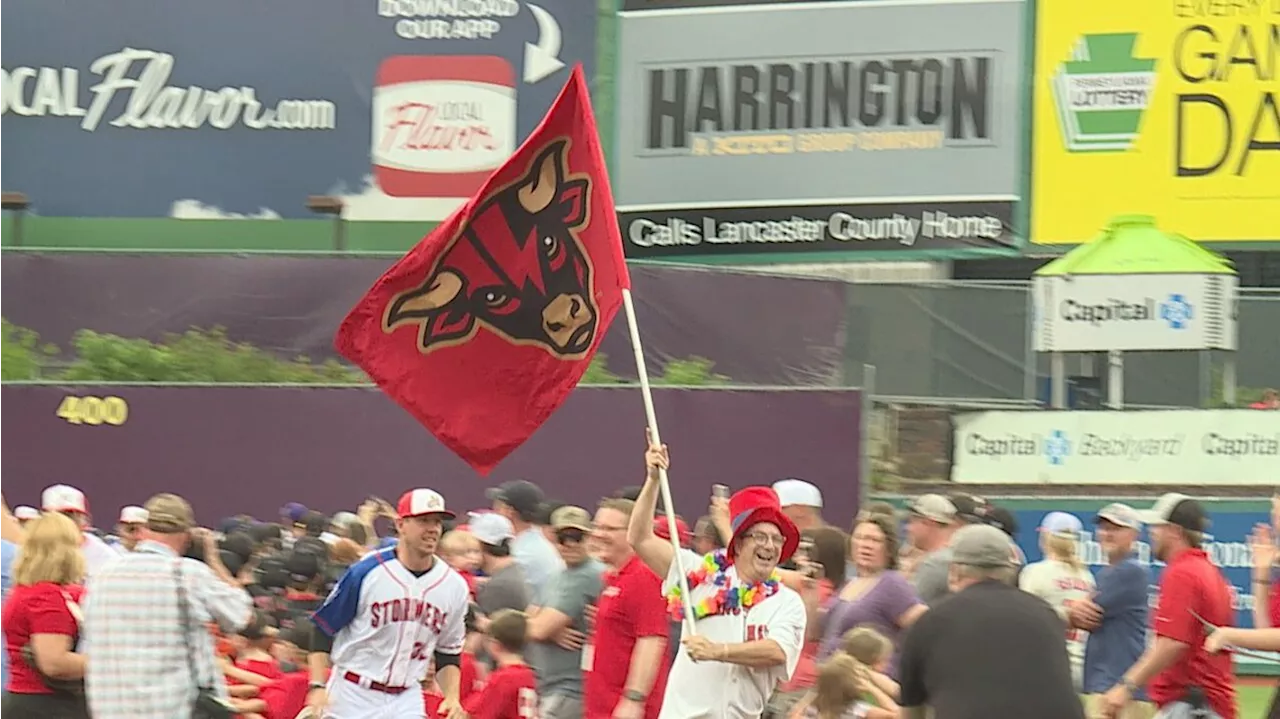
[
  {"x": 1230, "y": 446},
  {"x": 1098, "y": 313}
]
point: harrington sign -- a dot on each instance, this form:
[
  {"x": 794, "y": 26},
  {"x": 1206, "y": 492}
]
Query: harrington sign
[
  {"x": 830, "y": 130},
  {"x": 1100, "y": 313},
  {"x": 1194, "y": 447}
]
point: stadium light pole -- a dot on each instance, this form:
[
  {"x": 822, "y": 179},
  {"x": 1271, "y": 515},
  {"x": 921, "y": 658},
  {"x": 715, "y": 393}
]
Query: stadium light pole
[
  {"x": 17, "y": 203},
  {"x": 330, "y": 205}
]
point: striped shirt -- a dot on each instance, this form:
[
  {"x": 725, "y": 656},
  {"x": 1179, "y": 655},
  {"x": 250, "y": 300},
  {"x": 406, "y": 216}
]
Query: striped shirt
[{"x": 138, "y": 666}]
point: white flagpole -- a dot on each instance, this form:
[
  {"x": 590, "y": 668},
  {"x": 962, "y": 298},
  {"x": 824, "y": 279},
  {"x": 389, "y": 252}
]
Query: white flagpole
[{"x": 652, "y": 418}]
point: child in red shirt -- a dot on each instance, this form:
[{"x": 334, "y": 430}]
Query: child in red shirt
[
  {"x": 511, "y": 690},
  {"x": 461, "y": 551},
  {"x": 256, "y": 655},
  {"x": 471, "y": 681},
  {"x": 283, "y": 697},
  {"x": 253, "y": 658}
]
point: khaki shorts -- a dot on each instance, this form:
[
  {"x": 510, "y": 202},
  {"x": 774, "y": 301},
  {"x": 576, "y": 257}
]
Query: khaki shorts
[
  {"x": 560, "y": 706},
  {"x": 1135, "y": 710}
]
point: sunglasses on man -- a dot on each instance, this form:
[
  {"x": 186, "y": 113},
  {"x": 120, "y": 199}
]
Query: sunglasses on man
[{"x": 570, "y": 536}]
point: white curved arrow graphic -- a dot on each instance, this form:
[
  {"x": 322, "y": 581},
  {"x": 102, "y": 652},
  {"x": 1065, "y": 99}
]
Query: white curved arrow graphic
[{"x": 541, "y": 60}]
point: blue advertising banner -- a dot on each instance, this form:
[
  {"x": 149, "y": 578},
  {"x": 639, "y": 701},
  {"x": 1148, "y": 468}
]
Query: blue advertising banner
[
  {"x": 1227, "y": 544},
  {"x": 239, "y": 109}
]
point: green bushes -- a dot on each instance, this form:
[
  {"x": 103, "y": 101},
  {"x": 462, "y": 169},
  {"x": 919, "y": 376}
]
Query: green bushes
[{"x": 210, "y": 357}]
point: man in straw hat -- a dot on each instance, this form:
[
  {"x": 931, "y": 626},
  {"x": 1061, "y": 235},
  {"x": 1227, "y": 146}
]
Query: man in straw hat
[
  {"x": 749, "y": 627},
  {"x": 145, "y": 614}
]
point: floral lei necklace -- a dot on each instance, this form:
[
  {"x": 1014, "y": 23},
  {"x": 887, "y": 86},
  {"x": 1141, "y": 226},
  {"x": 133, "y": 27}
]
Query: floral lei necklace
[{"x": 726, "y": 599}]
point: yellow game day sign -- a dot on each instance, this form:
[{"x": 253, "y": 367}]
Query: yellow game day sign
[{"x": 1167, "y": 108}]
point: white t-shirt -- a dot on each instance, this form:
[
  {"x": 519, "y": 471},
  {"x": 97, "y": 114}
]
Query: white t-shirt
[
  {"x": 718, "y": 690},
  {"x": 97, "y": 553},
  {"x": 1058, "y": 584}
]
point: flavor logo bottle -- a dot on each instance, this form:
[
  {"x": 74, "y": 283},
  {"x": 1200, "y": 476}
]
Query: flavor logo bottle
[{"x": 441, "y": 125}]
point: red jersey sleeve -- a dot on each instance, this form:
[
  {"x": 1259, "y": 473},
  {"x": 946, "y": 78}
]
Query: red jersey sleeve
[
  {"x": 1173, "y": 617},
  {"x": 497, "y": 700},
  {"x": 1275, "y": 603},
  {"x": 468, "y": 681},
  {"x": 649, "y": 607},
  {"x": 48, "y": 612}
]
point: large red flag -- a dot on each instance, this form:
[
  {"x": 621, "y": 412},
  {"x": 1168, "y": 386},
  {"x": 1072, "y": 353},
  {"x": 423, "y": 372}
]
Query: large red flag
[{"x": 484, "y": 328}]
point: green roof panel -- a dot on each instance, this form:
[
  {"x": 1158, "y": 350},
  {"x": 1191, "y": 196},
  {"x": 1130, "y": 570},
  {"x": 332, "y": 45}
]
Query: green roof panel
[{"x": 1133, "y": 245}]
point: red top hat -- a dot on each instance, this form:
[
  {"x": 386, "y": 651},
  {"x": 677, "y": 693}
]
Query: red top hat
[{"x": 753, "y": 505}]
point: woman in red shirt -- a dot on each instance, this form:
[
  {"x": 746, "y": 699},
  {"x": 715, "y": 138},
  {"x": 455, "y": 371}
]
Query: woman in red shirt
[
  {"x": 1266, "y": 570},
  {"x": 43, "y": 612},
  {"x": 829, "y": 555}
]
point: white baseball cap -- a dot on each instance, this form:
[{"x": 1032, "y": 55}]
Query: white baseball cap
[
  {"x": 133, "y": 515},
  {"x": 797, "y": 492},
  {"x": 490, "y": 527},
  {"x": 63, "y": 498},
  {"x": 1121, "y": 515},
  {"x": 1061, "y": 523},
  {"x": 25, "y": 512},
  {"x": 417, "y": 502}
]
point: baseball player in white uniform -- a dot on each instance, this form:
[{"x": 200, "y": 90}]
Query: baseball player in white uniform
[
  {"x": 750, "y": 626},
  {"x": 388, "y": 617}
]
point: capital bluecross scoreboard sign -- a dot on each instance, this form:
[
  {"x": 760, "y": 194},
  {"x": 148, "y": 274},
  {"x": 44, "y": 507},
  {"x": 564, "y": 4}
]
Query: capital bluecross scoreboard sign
[
  {"x": 241, "y": 109},
  {"x": 810, "y": 127},
  {"x": 1169, "y": 109},
  {"x": 1185, "y": 447},
  {"x": 1098, "y": 313},
  {"x": 1227, "y": 544}
]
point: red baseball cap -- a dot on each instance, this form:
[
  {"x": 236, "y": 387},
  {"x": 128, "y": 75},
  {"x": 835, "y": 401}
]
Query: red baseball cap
[{"x": 660, "y": 529}]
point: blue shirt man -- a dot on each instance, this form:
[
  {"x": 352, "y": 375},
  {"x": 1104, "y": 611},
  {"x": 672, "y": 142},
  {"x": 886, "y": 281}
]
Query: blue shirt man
[{"x": 1116, "y": 618}]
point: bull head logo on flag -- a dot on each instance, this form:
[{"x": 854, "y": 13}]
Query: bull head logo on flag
[
  {"x": 483, "y": 329},
  {"x": 517, "y": 268}
]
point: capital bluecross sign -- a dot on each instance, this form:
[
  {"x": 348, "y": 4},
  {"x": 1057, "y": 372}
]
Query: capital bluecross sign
[
  {"x": 1138, "y": 312},
  {"x": 1057, "y": 447},
  {"x": 1176, "y": 311}
]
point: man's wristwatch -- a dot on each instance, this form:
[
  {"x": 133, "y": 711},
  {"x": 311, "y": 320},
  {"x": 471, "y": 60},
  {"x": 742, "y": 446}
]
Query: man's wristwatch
[
  {"x": 632, "y": 695},
  {"x": 1129, "y": 686},
  {"x": 315, "y": 685}
]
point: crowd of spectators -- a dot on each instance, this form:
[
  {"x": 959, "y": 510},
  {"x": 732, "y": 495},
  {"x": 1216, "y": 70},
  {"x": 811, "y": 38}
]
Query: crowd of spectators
[{"x": 932, "y": 605}]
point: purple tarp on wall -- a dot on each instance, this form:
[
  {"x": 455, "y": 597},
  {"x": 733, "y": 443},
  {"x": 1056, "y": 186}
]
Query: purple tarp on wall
[
  {"x": 757, "y": 329},
  {"x": 252, "y": 449}
]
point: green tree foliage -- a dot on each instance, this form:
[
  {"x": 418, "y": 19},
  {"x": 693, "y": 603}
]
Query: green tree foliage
[
  {"x": 598, "y": 372},
  {"x": 196, "y": 355},
  {"x": 21, "y": 356},
  {"x": 690, "y": 372},
  {"x": 210, "y": 357}
]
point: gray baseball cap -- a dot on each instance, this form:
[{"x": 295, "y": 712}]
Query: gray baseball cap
[
  {"x": 1120, "y": 514},
  {"x": 980, "y": 545},
  {"x": 935, "y": 507}
]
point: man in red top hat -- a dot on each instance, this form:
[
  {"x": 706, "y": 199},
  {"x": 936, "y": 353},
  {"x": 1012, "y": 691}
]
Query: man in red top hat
[{"x": 750, "y": 628}]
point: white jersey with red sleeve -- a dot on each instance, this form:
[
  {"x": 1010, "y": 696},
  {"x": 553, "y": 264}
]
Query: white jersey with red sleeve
[{"x": 387, "y": 623}]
